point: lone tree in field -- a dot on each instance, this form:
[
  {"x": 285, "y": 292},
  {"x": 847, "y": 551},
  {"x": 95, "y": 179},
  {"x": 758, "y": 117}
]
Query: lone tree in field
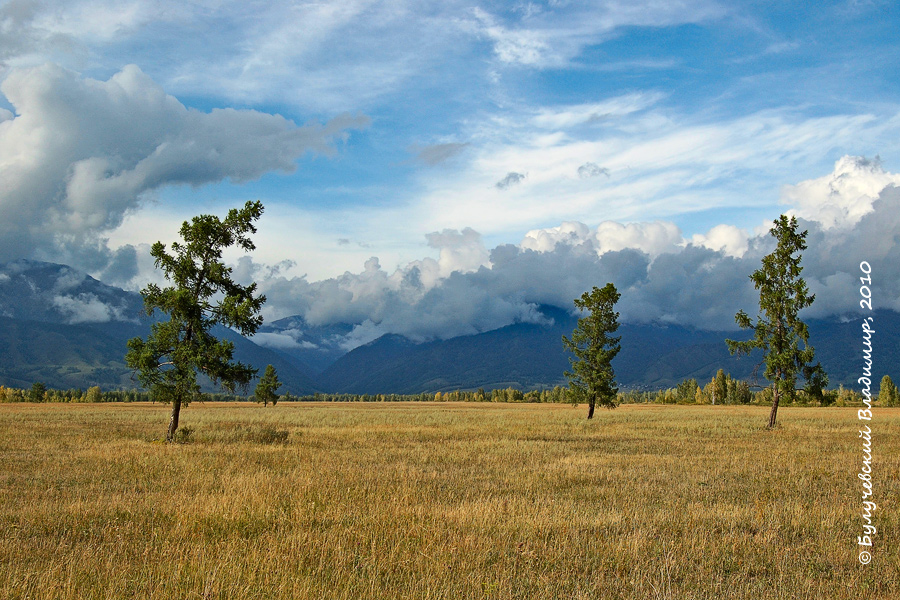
[
  {"x": 267, "y": 388},
  {"x": 202, "y": 296},
  {"x": 592, "y": 378},
  {"x": 778, "y": 331}
]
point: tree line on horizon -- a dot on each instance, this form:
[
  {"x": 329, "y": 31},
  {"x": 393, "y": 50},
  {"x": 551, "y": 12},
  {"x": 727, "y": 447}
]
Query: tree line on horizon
[{"x": 720, "y": 390}]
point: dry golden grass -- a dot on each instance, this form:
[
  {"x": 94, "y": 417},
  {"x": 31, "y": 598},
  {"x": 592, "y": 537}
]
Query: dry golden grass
[{"x": 442, "y": 501}]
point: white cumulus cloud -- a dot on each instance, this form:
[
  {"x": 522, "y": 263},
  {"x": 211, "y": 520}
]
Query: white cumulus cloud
[
  {"x": 545, "y": 240},
  {"x": 79, "y": 154},
  {"x": 843, "y": 197},
  {"x": 731, "y": 240}
]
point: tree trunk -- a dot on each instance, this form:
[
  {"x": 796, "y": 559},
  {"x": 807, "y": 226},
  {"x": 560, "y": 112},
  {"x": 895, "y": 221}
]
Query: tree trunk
[
  {"x": 774, "y": 406},
  {"x": 590, "y": 410},
  {"x": 173, "y": 422}
]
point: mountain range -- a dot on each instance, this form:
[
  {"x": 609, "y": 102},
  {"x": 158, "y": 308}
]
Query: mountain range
[{"x": 68, "y": 330}]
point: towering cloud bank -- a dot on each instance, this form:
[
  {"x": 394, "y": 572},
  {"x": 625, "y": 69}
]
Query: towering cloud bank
[
  {"x": 78, "y": 154},
  {"x": 842, "y": 198},
  {"x": 851, "y": 215}
]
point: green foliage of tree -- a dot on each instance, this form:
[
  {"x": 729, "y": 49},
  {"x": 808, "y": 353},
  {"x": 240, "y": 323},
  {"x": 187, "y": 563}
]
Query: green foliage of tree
[
  {"x": 94, "y": 394},
  {"x": 202, "y": 296},
  {"x": 742, "y": 393},
  {"x": 720, "y": 387},
  {"x": 844, "y": 397},
  {"x": 37, "y": 392},
  {"x": 267, "y": 388},
  {"x": 731, "y": 396},
  {"x": 723, "y": 389},
  {"x": 709, "y": 392},
  {"x": 687, "y": 391},
  {"x": 778, "y": 332},
  {"x": 888, "y": 395},
  {"x": 592, "y": 378}
]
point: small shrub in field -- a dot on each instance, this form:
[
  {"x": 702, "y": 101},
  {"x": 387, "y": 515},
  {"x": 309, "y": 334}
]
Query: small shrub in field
[{"x": 184, "y": 435}]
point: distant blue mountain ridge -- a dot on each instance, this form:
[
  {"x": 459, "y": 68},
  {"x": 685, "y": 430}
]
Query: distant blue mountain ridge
[{"x": 68, "y": 330}]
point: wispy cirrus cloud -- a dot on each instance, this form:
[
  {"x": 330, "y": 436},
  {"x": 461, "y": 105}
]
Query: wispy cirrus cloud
[
  {"x": 326, "y": 57},
  {"x": 655, "y": 161},
  {"x": 551, "y": 35},
  {"x": 439, "y": 153}
]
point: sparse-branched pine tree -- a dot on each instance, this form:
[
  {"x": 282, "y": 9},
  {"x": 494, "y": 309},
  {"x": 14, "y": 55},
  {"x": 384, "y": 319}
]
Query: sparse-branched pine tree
[
  {"x": 592, "y": 378},
  {"x": 267, "y": 388},
  {"x": 888, "y": 395},
  {"x": 778, "y": 331},
  {"x": 202, "y": 296}
]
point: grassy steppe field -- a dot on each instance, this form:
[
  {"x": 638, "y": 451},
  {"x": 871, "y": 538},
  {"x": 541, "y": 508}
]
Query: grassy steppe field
[{"x": 451, "y": 501}]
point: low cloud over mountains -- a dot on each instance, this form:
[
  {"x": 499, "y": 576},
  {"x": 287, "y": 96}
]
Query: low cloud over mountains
[{"x": 852, "y": 214}]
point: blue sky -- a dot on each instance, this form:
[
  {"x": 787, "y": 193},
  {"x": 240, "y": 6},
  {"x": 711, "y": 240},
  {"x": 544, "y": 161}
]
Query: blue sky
[{"x": 367, "y": 126}]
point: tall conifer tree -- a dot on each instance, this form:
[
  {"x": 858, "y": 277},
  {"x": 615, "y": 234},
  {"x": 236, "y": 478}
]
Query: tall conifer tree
[
  {"x": 267, "y": 388},
  {"x": 779, "y": 332},
  {"x": 592, "y": 378},
  {"x": 202, "y": 296}
]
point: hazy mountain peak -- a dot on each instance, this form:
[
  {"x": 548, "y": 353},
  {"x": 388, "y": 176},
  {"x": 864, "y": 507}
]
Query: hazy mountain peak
[{"x": 55, "y": 293}]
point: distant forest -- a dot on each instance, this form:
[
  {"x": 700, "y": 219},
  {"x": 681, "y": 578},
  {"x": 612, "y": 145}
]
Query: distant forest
[{"x": 722, "y": 389}]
